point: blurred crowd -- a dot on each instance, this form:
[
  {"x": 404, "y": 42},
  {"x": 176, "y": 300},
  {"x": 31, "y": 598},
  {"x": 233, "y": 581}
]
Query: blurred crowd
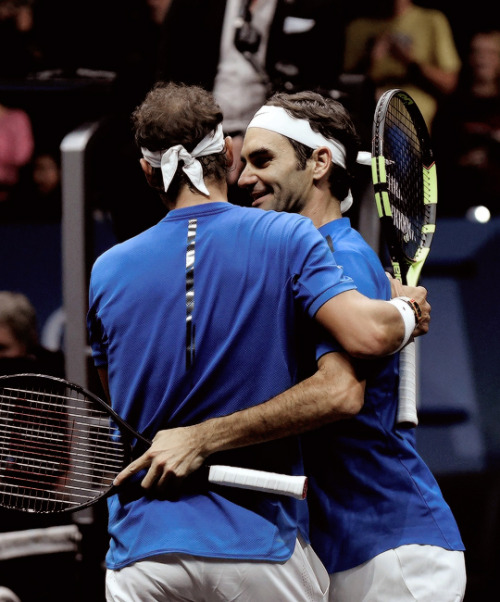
[{"x": 242, "y": 50}]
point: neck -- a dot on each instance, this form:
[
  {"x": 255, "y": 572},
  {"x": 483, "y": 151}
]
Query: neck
[
  {"x": 190, "y": 198},
  {"x": 322, "y": 208},
  {"x": 401, "y": 6}
]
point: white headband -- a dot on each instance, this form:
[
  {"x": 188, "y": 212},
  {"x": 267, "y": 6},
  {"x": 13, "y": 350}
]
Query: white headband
[
  {"x": 168, "y": 160},
  {"x": 277, "y": 119}
]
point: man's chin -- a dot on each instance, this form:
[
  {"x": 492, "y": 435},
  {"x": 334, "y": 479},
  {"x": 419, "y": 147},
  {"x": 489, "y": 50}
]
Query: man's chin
[{"x": 266, "y": 202}]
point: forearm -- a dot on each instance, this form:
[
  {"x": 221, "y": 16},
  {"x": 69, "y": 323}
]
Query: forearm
[
  {"x": 333, "y": 393},
  {"x": 371, "y": 328},
  {"x": 442, "y": 81}
]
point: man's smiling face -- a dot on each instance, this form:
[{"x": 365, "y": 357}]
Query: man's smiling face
[{"x": 271, "y": 172}]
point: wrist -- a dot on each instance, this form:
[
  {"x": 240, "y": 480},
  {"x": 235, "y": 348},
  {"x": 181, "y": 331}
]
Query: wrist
[
  {"x": 410, "y": 312},
  {"x": 206, "y": 440}
]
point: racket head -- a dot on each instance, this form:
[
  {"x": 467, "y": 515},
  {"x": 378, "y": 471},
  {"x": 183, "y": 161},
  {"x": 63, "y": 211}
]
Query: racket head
[
  {"x": 405, "y": 182},
  {"x": 61, "y": 446}
]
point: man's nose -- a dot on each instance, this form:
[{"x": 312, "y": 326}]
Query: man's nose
[{"x": 247, "y": 177}]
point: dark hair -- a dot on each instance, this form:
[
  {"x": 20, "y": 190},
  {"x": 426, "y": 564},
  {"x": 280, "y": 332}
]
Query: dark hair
[
  {"x": 179, "y": 114},
  {"x": 331, "y": 119}
]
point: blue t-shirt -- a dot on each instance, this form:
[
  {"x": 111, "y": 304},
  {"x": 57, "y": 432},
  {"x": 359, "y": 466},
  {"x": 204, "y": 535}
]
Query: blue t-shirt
[
  {"x": 196, "y": 318},
  {"x": 369, "y": 490}
]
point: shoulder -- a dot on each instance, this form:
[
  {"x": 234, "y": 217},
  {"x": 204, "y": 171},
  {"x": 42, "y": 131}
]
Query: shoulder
[
  {"x": 431, "y": 15},
  {"x": 121, "y": 251},
  {"x": 285, "y": 223}
]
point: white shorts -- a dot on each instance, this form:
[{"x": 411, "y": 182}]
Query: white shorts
[
  {"x": 406, "y": 574},
  {"x": 181, "y": 577}
]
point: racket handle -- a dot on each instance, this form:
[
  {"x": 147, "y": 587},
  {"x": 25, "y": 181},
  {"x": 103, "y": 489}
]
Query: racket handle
[
  {"x": 259, "y": 480},
  {"x": 407, "y": 407}
]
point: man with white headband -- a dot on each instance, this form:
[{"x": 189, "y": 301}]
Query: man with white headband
[
  {"x": 377, "y": 517},
  {"x": 193, "y": 319}
]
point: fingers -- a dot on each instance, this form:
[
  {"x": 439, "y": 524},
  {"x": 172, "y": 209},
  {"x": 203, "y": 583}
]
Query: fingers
[
  {"x": 397, "y": 289},
  {"x": 420, "y": 297},
  {"x": 133, "y": 468},
  {"x": 163, "y": 472}
]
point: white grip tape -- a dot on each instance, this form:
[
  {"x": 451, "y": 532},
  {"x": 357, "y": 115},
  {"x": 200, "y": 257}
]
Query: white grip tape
[
  {"x": 259, "y": 480},
  {"x": 409, "y": 318},
  {"x": 407, "y": 406}
]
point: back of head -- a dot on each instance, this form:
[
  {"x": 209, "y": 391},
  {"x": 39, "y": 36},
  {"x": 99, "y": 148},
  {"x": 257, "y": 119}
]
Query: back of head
[
  {"x": 331, "y": 119},
  {"x": 176, "y": 114}
]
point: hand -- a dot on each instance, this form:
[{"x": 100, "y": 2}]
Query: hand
[
  {"x": 173, "y": 455},
  {"x": 419, "y": 294},
  {"x": 396, "y": 286}
]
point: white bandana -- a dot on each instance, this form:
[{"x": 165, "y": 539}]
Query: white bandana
[
  {"x": 277, "y": 119},
  {"x": 168, "y": 160}
]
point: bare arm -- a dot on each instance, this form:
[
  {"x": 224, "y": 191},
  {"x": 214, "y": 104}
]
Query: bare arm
[
  {"x": 333, "y": 393},
  {"x": 428, "y": 74},
  {"x": 367, "y": 327}
]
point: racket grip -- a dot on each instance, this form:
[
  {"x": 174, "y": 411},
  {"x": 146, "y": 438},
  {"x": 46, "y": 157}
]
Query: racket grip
[
  {"x": 407, "y": 406},
  {"x": 259, "y": 480}
]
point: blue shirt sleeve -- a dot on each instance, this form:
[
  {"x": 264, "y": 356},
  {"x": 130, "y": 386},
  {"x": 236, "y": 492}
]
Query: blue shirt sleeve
[{"x": 316, "y": 275}]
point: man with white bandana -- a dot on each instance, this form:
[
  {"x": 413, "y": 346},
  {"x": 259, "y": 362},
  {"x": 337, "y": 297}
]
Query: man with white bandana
[
  {"x": 196, "y": 318},
  {"x": 377, "y": 516}
]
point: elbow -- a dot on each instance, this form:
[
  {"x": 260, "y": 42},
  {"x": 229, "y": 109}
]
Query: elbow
[
  {"x": 354, "y": 404},
  {"x": 346, "y": 404},
  {"x": 448, "y": 83}
]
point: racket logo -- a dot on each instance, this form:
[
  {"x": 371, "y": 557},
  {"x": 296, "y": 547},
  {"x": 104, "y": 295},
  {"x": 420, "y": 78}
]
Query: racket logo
[
  {"x": 407, "y": 100},
  {"x": 403, "y": 224}
]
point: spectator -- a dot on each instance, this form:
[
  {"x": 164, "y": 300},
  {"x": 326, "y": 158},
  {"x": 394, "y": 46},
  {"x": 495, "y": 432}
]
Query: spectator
[
  {"x": 20, "y": 349},
  {"x": 38, "y": 196},
  {"x": 16, "y": 147},
  {"x": 466, "y": 134},
  {"x": 405, "y": 46}
]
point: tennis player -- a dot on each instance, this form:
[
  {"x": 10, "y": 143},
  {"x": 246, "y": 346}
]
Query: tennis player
[
  {"x": 378, "y": 519},
  {"x": 196, "y": 318}
]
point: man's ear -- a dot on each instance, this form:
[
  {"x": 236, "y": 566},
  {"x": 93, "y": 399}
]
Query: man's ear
[
  {"x": 148, "y": 171},
  {"x": 229, "y": 150},
  {"x": 322, "y": 158}
]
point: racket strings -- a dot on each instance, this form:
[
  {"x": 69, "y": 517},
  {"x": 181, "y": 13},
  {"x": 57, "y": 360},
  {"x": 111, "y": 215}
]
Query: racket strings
[
  {"x": 404, "y": 154},
  {"x": 57, "y": 449}
]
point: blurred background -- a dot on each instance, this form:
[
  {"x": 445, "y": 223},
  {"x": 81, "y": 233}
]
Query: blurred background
[{"x": 70, "y": 187}]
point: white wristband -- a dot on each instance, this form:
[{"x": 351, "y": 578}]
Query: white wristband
[{"x": 405, "y": 309}]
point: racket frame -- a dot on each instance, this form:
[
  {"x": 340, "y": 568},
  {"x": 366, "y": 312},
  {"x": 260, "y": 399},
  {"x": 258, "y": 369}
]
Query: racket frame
[
  {"x": 289, "y": 485},
  {"x": 406, "y": 267}
]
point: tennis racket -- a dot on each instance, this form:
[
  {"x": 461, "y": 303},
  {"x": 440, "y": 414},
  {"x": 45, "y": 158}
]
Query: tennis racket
[
  {"x": 405, "y": 186},
  {"x": 61, "y": 447}
]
